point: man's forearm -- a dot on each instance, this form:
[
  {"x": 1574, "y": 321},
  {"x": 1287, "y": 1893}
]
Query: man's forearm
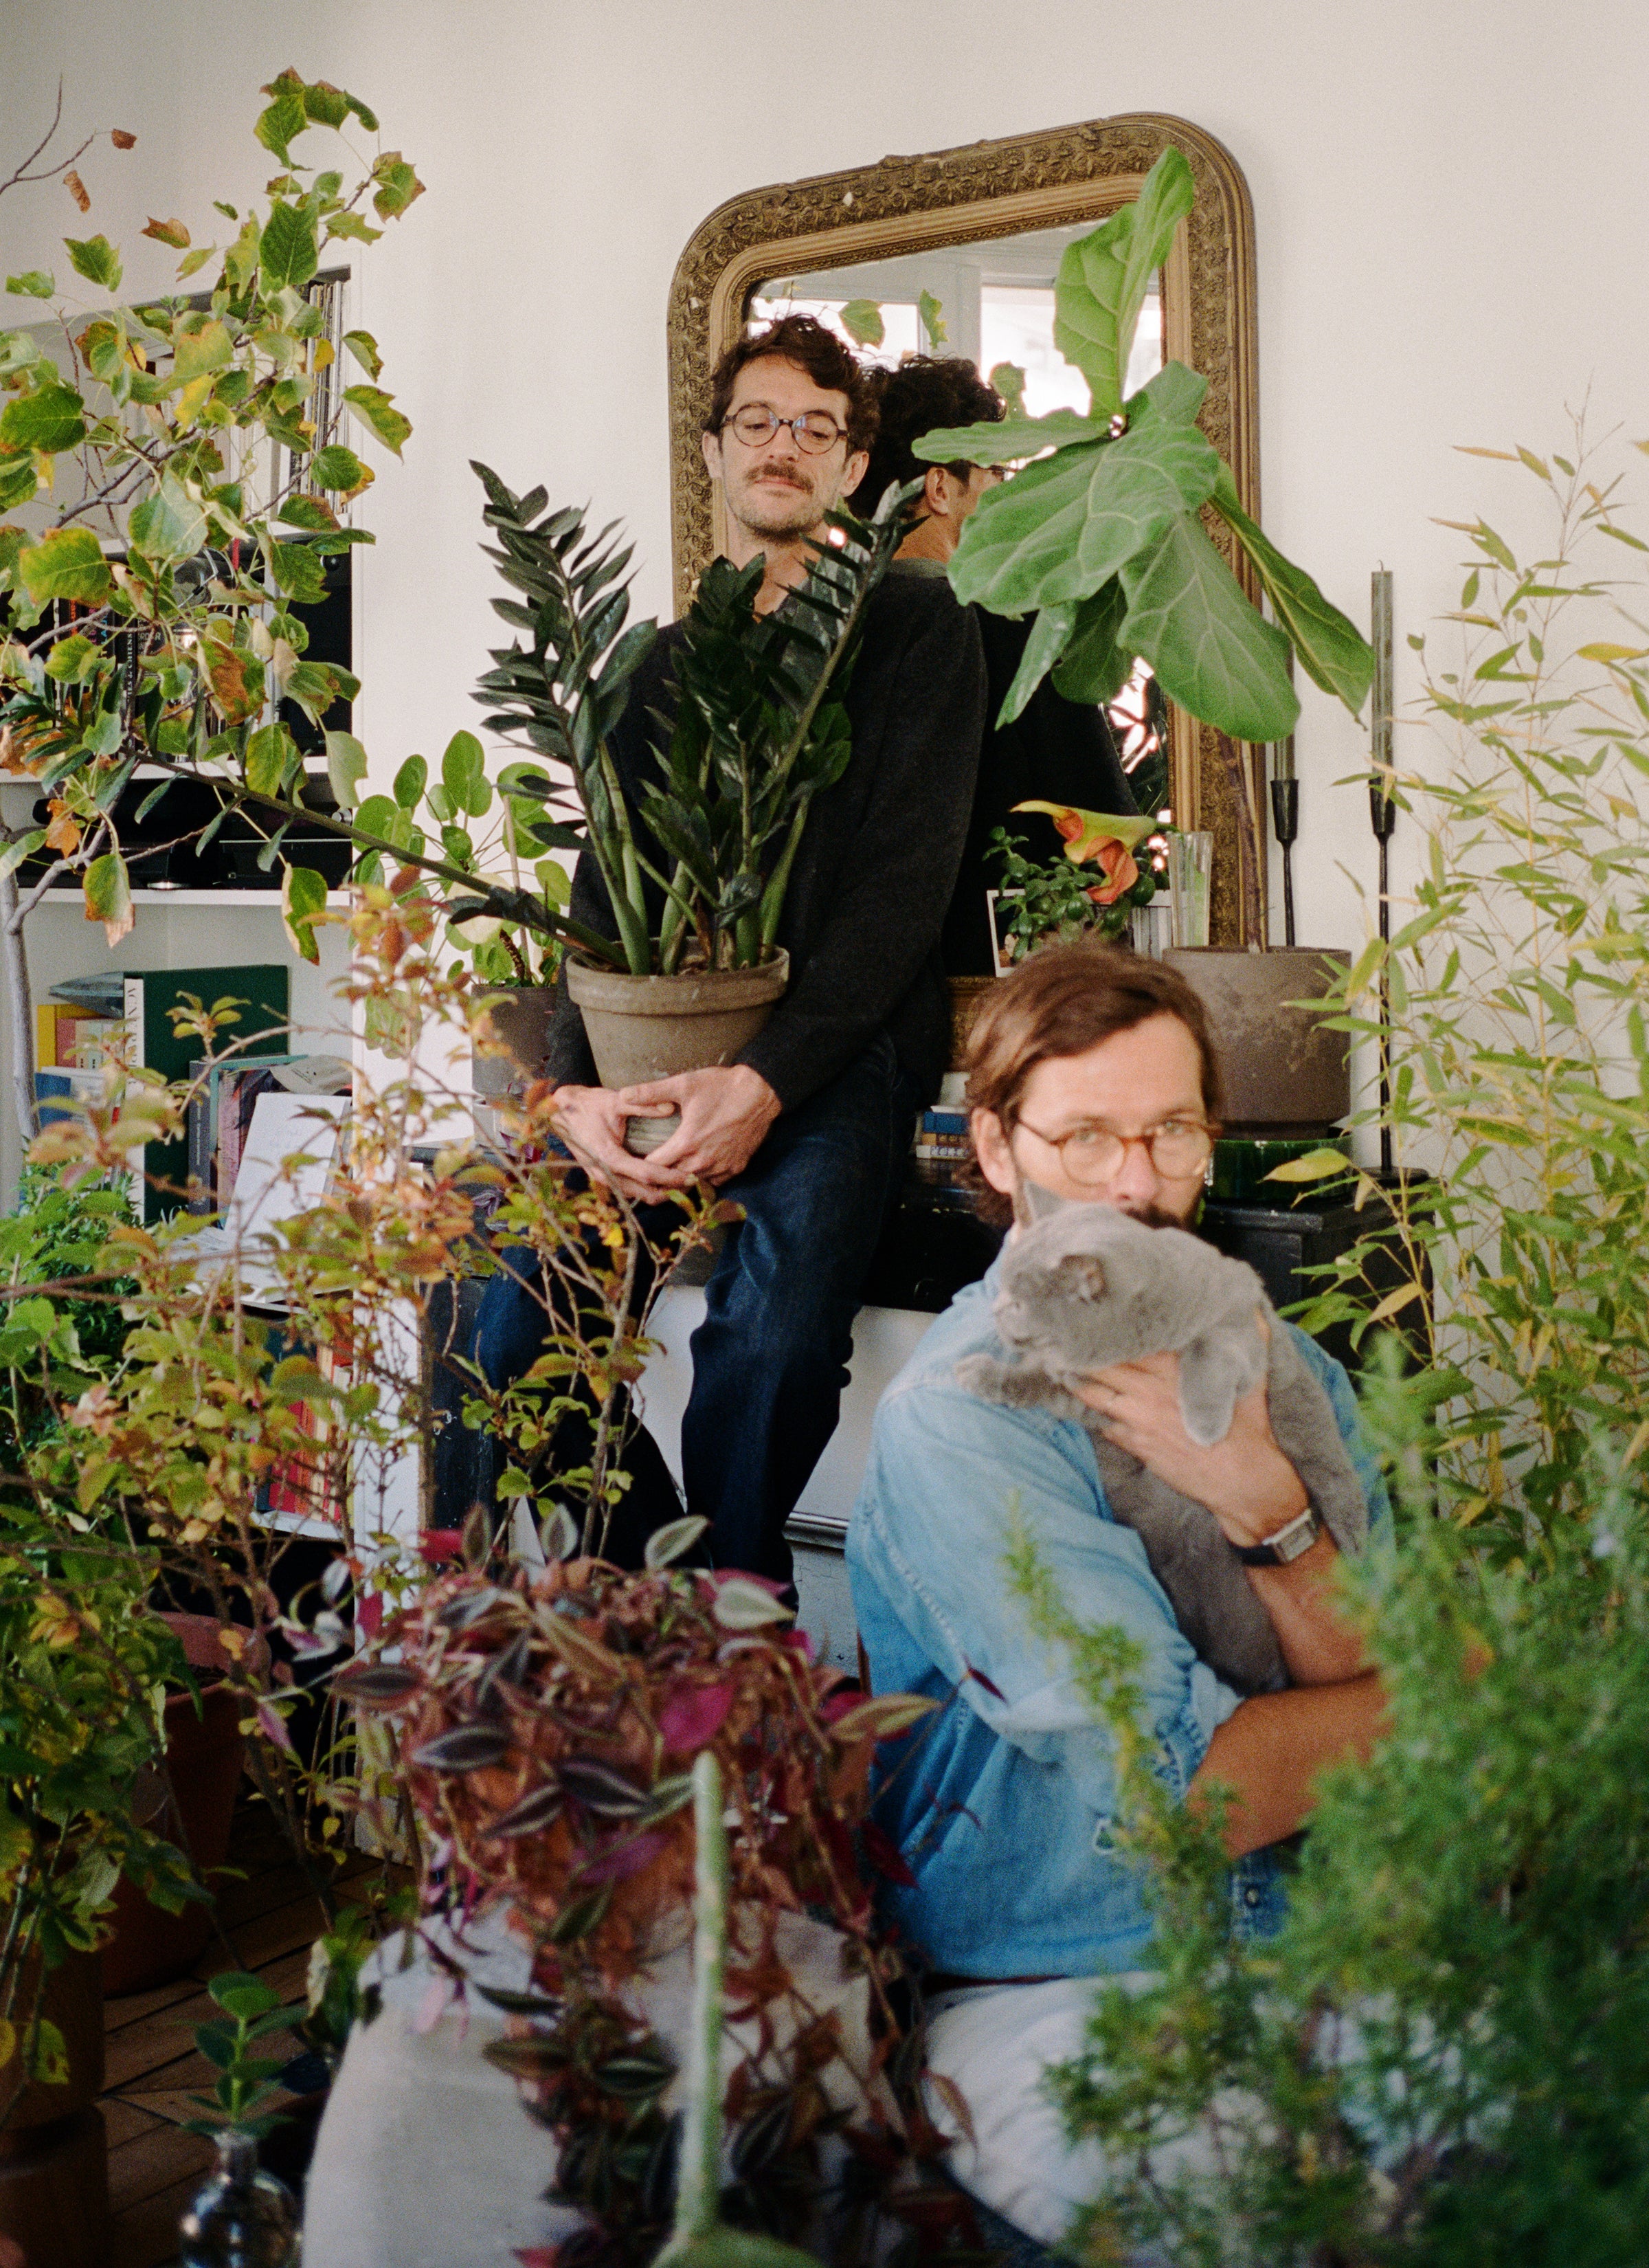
[
  {"x": 1270, "y": 1751},
  {"x": 1317, "y": 1643}
]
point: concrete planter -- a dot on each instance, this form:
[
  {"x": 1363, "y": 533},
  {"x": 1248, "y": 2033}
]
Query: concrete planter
[
  {"x": 1282, "y": 1068},
  {"x": 645, "y": 1028}
]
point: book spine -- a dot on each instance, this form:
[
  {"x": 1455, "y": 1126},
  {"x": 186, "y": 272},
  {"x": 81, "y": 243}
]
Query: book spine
[
  {"x": 199, "y": 1123},
  {"x": 144, "y": 1201},
  {"x": 45, "y": 1035}
]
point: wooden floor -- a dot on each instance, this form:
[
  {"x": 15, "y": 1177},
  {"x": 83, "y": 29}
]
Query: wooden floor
[{"x": 270, "y": 1918}]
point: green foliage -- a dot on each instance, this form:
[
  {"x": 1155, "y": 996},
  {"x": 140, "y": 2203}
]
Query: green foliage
[
  {"x": 1051, "y": 903},
  {"x": 244, "y": 2088},
  {"x": 1519, "y": 988},
  {"x": 82, "y": 1662},
  {"x": 53, "y": 1342},
  {"x": 1101, "y": 536},
  {"x": 1441, "y": 2060},
  {"x": 760, "y": 731},
  {"x": 175, "y": 414}
]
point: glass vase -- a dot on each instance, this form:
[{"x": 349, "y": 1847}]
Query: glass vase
[{"x": 243, "y": 2218}]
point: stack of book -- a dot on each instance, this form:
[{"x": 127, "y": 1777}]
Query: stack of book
[
  {"x": 942, "y": 1148},
  {"x": 222, "y": 1107},
  {"x": 86, "y": 1021}
]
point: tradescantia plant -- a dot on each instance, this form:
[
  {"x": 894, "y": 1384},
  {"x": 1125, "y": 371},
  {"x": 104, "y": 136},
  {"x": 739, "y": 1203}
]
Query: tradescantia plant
[
  {"x": 1100, "y": 537},
  {"x": 760, "y": 731}
]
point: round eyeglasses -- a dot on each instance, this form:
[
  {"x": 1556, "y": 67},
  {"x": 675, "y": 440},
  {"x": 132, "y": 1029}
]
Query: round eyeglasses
[
  {"x": 814, "y": 431},
  {"x": 1093, "y": 1155}
]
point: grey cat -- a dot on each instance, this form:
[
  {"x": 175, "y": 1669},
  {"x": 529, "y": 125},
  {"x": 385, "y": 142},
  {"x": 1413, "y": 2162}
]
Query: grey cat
[{"x": 1085, "y": 1286}]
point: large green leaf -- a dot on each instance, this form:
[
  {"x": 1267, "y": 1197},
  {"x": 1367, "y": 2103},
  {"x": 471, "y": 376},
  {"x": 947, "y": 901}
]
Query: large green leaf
[
  {"x": 1066, "y": 524},
  {"x": 464, "y": 775},
  {"x": 287, "y": 252},
  {"x": 200, "y": 343},
  {"x": 268, "y": 752},
  {"x": 303, "y": 896},
  {"x": 1333, "y": 653},
  {"x": 377, "y": 409},
  {"x": 52, "y": 418},
  {"x": 96, "y": 259},
  {"x": 1008, "y": 442},
  {"x": 346, "y": 767},
  {"x": 1174, "y": 395},
  {"x": 1049, "y": 633},
  {"x": 1213, "y": 652},
  {"x": 1103, "y": 279},
  {"x": 167, "y": 525},
  {"x": 68, "y": 563},
  {"x": 109, "y": 894},
  {"x": 1095, "y": 664}
]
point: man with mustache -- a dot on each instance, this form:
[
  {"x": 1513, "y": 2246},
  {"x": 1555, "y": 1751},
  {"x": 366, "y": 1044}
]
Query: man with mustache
[
  {"x": 1093, "y": 1074},
  {"x": 808, "y": 1130}
]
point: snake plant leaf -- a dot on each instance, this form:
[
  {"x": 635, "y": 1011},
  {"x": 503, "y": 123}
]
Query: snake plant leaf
[
  {"x": 1104, "y": 277},
  {"x": 1065, "y": 525},
  {"x": 1333, "y": 653},
  {"x": 1011, "y": 440},
  {"x": 1187, "y": 615},
  {"x": 1094, "y": 665},
  {"x": 1049, "y": 632}
]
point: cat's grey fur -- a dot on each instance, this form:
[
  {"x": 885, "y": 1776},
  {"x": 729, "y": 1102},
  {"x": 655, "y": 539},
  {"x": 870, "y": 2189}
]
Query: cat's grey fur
[{"x": 1085, "y": 1286}]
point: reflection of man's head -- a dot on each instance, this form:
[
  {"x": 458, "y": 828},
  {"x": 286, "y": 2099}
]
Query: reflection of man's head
[
  {"x": 924, "y": 394},
  {"x": 1092, "y": 1072},
  {"x": 790, "y": 420}
]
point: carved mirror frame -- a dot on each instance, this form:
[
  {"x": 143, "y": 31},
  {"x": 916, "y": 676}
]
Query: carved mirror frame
[{"x": 902, "y": 205}]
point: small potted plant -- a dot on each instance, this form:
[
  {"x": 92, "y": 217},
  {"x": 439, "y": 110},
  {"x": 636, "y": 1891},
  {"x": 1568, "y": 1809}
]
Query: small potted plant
[{"x": 1038, "y": 904}]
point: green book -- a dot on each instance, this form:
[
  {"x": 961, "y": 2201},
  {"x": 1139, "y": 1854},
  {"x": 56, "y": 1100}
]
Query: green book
[{"x": 262, "y": 989}]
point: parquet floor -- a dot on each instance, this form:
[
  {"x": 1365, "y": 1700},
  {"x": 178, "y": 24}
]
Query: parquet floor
[{"x": 270, "y": 1918}]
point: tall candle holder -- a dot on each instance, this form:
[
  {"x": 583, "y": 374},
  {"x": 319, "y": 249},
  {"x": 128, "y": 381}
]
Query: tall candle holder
[
  {"x": 1382, "y": 811},
  {"x": 1285, "y": 825}
]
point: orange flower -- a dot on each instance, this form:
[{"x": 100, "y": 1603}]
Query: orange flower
[
  {"x": 1120, "y": 869},
  {"x": 1088, "y": 832}
]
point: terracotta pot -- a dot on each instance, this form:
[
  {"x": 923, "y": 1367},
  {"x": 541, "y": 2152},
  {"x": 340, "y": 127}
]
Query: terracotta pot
[
  {"x": 54, "y": 2153},
  {"x": 205, "y": 1754},
  {"x": 1283, "y": 1069},
  {"x": 642, "y": 1028}
]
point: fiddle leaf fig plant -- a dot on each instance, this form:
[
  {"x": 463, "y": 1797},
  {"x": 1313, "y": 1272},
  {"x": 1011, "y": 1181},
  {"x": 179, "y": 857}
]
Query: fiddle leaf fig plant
[{"x": 1100, "y": 535}]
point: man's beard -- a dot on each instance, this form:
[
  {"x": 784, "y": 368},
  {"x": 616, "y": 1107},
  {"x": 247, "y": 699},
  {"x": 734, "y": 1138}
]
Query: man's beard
[{"x": 779, "y": 511}]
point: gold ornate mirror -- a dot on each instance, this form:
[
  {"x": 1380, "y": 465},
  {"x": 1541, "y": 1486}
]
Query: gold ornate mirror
[{"x": 981, "y": 229}]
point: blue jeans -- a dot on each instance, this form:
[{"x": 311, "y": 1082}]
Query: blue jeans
[{"x": 770, "y": 1358}]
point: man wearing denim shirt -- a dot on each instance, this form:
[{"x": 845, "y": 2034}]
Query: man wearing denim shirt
[{"x": 1091, "y": 1074}]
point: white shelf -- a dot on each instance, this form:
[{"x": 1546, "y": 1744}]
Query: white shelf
[{"x": 269, "y": 900}]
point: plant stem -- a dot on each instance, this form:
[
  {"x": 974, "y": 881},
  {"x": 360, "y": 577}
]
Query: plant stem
[
  {"x": 699, "y": 2191},
  {"x": 20, "y": 1004}
]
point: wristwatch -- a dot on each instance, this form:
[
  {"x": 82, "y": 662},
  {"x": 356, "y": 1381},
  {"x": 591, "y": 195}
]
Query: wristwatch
[{"x": 1297, "y": 1535}]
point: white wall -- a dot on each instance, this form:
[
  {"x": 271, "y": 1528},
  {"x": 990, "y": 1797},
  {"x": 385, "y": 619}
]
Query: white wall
[{"x": 1450, "y": 210}]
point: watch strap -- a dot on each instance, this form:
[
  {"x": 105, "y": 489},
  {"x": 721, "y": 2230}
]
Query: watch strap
[{"x": 1295, "y": 1537}]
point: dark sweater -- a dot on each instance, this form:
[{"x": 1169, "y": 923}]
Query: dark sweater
[
  {"x": 1055, "y": 751},
  {"x": 878, "y": 857}
]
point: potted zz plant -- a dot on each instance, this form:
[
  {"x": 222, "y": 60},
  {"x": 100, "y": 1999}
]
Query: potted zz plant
[
  {"x": 1100, "y": 535},
  {"x": 697, "y": 865}
]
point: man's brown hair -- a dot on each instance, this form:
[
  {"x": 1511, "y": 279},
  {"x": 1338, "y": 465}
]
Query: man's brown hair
[
  {"x": 925, "y": 390},
  {"x": 1062, "y": 1002},
  {"x": 803, "y": 339}
]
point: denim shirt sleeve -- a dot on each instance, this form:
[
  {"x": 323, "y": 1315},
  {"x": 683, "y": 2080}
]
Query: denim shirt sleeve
[{"x": 948, "y": 1478}]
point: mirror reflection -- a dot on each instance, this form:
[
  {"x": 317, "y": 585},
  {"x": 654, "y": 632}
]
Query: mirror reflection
[{"x": 992, "y": 302}]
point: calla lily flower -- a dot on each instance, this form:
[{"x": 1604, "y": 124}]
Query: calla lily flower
[
  {"x": 1087, "y": 832},
  {"x": 1120, "y": 871}
]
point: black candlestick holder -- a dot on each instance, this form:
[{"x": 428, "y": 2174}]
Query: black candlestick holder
[{"x": 1286, "y": 827}]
